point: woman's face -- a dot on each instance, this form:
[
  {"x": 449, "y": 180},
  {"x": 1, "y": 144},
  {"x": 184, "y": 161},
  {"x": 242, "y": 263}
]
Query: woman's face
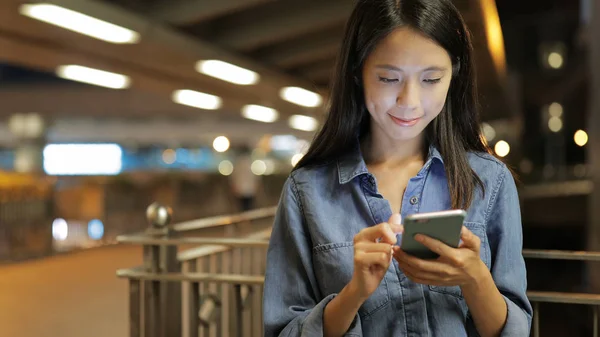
[{"x": 406, "y": 80}]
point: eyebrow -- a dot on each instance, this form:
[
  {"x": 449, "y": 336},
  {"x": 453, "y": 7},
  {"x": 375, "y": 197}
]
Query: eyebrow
[{"x": 394, "y": 68}]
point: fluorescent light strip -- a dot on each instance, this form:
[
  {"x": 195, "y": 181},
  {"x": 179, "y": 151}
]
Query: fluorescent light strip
[
  {"x": 93, "y": 76},
  {"x": 79, "y": 23},
  {"x": 227, "y": 72},
  {"x": 304, "y": 123},
  {"x": 260, "y": 113},
  {"x": 82, "y": 159},
  {"x": 301, "y": 97},
  {"x": 197, "y": 99}
]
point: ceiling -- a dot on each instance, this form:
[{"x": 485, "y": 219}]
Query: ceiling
[{"x": 288, "y": 42}]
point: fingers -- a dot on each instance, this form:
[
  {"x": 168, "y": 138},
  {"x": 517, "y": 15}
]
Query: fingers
[
  {"x": 371, "y": 247},
  {"x": 382, "y": 231},
  {"x": 367, "y": 259},
  {"x": 412, "y": 261},
  {"x": 428, "y": 279},
  {"x": 430, "y": 272},
  {"x": 469, "y": 240},
  {"x": 434, "y": 245}
]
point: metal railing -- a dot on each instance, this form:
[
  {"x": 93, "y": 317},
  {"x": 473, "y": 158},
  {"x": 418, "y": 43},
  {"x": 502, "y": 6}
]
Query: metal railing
[
  {"x": 537, "y": 297},
  {"x": 215, "y": 289}
]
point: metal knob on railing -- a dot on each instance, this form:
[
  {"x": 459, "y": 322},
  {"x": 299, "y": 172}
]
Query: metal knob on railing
[
  {"x": 159, "y": 216},
  {"x": 210, "y": 307}
]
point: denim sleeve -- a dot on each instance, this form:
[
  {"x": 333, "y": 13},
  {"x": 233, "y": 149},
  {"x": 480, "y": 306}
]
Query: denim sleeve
[
  {"x": 505, "y": 235},
  {"x": 292, "y": 303}
]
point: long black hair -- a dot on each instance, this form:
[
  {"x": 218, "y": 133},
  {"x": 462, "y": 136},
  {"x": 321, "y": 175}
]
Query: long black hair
[{"x": 454, "y": 132}]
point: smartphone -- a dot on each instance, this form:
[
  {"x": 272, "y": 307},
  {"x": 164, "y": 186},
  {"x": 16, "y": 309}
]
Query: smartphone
[{"x": 445, "y": 226}]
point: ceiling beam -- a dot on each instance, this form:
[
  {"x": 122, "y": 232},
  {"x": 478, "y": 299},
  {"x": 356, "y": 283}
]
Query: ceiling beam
[
  {"x": 318, "y": 72},
  {"x": 65, "y": 101},
  {"x": 185, "y": 12},
  {"x": 127, "y": 115},
  {"x": 161, "y": 63},
  {"x": 283, "y": 23},
  {"x": 309, "y": 50},
  {"x": 162, "y": 50}
]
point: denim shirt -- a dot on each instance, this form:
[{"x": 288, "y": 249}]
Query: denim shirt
[{"x": 310, "y": 255}]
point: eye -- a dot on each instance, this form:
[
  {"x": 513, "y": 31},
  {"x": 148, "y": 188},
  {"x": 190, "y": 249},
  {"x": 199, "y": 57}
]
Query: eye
[
  {"x": 387, "y": 80},
  {"x": 432, "y": 80}
]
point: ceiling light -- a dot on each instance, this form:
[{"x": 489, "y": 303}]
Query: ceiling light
[
  {"x": 581, "y": 138},
  {"x": 227, "y": 72},
  {"x": 260, "y": 113},
  {"x": 221, "y": 144},
  {"x": 555, "y": 60},
  {"x": 197, "y": 99},
  {"x": 304, "y": 123},
  {"x": 555, "y": 124},
  {"x": 502, "y": 148},
  {"x": 301, "y": 97},
  {"x": 296, "y": 158},
  {"x": 80, "y": 23},
  {"x": 258, "y": 167},
  {"x": 226, "y": 167},
  {"x": 93, "y": 76}
]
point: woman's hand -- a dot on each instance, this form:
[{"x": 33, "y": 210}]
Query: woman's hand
[
  {"x": 460, "y": 266},
  {"x": 372, "y": 255}
]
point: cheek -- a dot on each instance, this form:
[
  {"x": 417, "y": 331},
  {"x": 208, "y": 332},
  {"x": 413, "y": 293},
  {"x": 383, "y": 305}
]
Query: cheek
[
  {"x": 379, "y": 100},
  {"x": 435, "y": 102}
]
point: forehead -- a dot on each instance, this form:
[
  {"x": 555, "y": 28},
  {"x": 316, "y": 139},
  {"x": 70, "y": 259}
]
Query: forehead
[{"x": 406, "y": 48}]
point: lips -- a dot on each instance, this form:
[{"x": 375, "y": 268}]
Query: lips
[{"x": 405, "y": 122}]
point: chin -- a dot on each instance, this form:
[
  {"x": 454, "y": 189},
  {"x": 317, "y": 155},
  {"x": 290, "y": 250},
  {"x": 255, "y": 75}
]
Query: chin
[{"x": 405, "y": 134}]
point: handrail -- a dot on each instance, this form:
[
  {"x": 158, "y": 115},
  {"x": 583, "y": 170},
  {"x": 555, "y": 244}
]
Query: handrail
[
  {"x": 224, "y": 220},
  {"x": 198, "y": 252},
  {"x": 561, "y": 255},
  {"x": 562, "y": 297},
  {"x": 132, "y": 273},
  {"x": 230, "y": 242}
]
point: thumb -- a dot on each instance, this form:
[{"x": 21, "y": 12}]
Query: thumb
[
  {"x": 468, "y": 239},
  {"x": 395, "y": 222}
]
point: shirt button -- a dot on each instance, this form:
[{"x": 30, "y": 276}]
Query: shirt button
[{"x": 414, "y": 200}]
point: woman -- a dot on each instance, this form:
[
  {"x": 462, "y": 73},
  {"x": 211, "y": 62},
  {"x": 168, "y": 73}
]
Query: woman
[{"x": 401, "y": 137}]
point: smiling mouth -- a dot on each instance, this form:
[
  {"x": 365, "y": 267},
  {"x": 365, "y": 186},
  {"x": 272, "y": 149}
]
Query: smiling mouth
[{"x": 405, "y": 122}]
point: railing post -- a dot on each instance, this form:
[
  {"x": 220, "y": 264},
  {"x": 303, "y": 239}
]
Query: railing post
[
  {"x": 134, "y": 308},
  {"x": 164, "y": 298},
  {"x": 595, "y": 327},
  {"x": 239, "y": 311},
  {"x": 536, "y": 319}
]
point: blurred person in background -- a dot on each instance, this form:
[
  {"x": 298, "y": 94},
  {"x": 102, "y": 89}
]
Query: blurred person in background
[
  {"x": 402, "y": 136},
  {"x": 244, "y": 182}
]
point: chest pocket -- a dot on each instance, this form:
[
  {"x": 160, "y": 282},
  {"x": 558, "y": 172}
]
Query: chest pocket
[
  {"x": 334, "y": 265},
  {"x": 484, "y": 253}
]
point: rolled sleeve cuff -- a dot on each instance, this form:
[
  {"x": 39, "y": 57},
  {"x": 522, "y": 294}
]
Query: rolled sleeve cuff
[
  {"x": 313, "y": 323},
  {"x": 518, "y": 323}
]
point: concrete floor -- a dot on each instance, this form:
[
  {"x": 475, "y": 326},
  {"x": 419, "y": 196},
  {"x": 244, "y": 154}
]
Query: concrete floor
[{"x": 72, "y": 295}]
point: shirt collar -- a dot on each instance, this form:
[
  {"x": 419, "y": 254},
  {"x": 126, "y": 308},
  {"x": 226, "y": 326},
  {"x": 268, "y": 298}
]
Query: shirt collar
[{"x": 352, "y": 164}]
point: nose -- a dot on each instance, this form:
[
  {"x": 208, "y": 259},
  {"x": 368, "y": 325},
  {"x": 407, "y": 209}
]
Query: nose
[{"x": 408, "y": 96}]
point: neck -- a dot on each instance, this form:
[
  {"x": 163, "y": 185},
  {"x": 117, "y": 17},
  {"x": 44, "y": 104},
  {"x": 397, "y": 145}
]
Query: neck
[{"x": 378, "y": 149}]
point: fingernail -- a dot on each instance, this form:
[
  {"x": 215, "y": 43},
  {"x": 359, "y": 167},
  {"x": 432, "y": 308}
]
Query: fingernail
[{"x": 418, "y": 238}]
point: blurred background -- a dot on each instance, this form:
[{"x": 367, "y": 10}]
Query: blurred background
[{"x": 205, "y": 105}]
